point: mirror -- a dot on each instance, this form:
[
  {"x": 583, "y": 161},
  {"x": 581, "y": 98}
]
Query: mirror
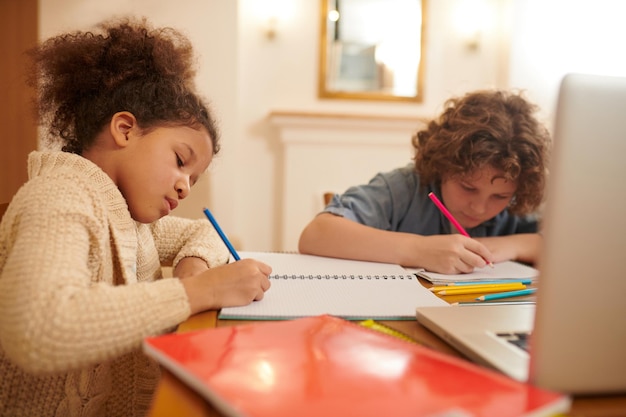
[{"x": 372, "y": 49}]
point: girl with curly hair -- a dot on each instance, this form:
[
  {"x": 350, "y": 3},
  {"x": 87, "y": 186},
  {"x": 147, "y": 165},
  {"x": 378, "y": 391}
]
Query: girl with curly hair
[
  {"x": 485, "y": 157},
  {"x": 83, "y": 241}
]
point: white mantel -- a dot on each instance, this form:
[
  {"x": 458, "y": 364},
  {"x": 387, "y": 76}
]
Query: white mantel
[{"x": 322, "y": 152}]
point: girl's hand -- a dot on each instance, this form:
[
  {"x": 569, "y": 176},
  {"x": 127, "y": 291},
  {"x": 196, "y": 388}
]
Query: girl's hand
[{"x": 234, "y": 284}]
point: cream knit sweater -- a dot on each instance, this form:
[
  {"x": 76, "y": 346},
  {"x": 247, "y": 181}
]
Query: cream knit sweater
[{"x": 80, "y": 287}]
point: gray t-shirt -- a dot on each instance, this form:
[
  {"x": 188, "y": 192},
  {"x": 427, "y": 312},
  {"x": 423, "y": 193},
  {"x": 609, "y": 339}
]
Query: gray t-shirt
[{"x": 394, "y": 201}]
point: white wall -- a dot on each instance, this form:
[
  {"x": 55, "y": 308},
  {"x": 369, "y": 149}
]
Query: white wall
[
  {"x": 555, "y": 37},
  {"x": 247, "y": 76}
]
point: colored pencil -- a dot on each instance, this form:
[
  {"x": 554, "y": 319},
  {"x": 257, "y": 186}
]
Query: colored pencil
[
  {"x": 482, "y": 290},
  {"x": 218, "y": 229},
  {"x": 493, "y": 303},
  {"x": 527, "y": 291},
  {"x": 450, "y": 217},
  {"x": 479, "y": 290},
  {"x": 525, "y": 281},
  {"x": 467, "y": 287}
]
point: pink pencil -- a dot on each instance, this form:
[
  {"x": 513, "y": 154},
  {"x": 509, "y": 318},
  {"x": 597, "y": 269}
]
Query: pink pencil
[{"x": 450, "y": 217}]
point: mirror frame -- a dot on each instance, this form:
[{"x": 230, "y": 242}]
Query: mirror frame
[{"x": 324, "y": 92}]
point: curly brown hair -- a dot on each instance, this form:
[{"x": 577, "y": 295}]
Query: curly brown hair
[
  {"x": 84, "y": 78},
  {"x": 487, "y": 128}
]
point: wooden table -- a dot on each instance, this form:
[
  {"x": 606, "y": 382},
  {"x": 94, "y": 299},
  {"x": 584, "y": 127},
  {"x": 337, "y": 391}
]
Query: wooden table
[{"x": 174, "y": 398}]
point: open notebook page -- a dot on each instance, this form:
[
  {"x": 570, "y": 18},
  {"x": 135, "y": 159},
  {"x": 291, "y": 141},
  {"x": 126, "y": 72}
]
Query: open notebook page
[{"x": 306, "y": 285}]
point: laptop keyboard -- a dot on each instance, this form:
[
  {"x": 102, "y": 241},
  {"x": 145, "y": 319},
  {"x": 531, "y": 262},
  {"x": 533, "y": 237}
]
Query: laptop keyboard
[{"x": 519, "y": 339}]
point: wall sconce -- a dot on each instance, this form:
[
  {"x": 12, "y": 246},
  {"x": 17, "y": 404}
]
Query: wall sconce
[
  {"x": 471, "y": 18},
  {"x": 333, "y": 15},
  {"x": 472, "y": 40},
  {"x": 273, "y": 15},
  {"x": 270, "y": 28}
]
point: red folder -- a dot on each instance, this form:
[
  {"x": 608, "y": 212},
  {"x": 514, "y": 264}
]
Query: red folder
[{"x": 324, "y": 366}]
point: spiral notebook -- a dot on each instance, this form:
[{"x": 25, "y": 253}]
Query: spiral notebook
[{"x": 307, "y": 285}]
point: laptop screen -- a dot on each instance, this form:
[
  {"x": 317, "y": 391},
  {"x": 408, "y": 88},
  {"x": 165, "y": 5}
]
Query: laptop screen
[{"x": 582, "y": 282}]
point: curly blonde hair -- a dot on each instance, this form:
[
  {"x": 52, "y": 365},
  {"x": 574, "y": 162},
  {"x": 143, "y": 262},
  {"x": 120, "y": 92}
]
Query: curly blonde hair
[{"x": 487, "y": 128}]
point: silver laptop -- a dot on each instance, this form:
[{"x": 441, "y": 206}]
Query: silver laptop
[{"x": 577, "y": 340}]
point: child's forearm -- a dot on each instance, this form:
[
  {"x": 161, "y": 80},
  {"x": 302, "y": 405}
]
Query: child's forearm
[
  {"x": 335, "y": 236},
  {"x": 523, "y": 247}
]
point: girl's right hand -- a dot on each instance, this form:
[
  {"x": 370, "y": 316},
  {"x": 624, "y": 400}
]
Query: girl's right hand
[{"x": 235, "y": 284}]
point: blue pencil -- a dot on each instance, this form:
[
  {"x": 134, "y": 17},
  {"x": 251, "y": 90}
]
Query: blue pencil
[
  {"x": 507, "y": 294},
  {"x": 222, "y": 235}
]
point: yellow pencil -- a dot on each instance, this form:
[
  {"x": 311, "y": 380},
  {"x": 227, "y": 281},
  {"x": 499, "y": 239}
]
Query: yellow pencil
[
  {"x": 469, "y": 287},
  {"x": 483, "y": 290}
]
